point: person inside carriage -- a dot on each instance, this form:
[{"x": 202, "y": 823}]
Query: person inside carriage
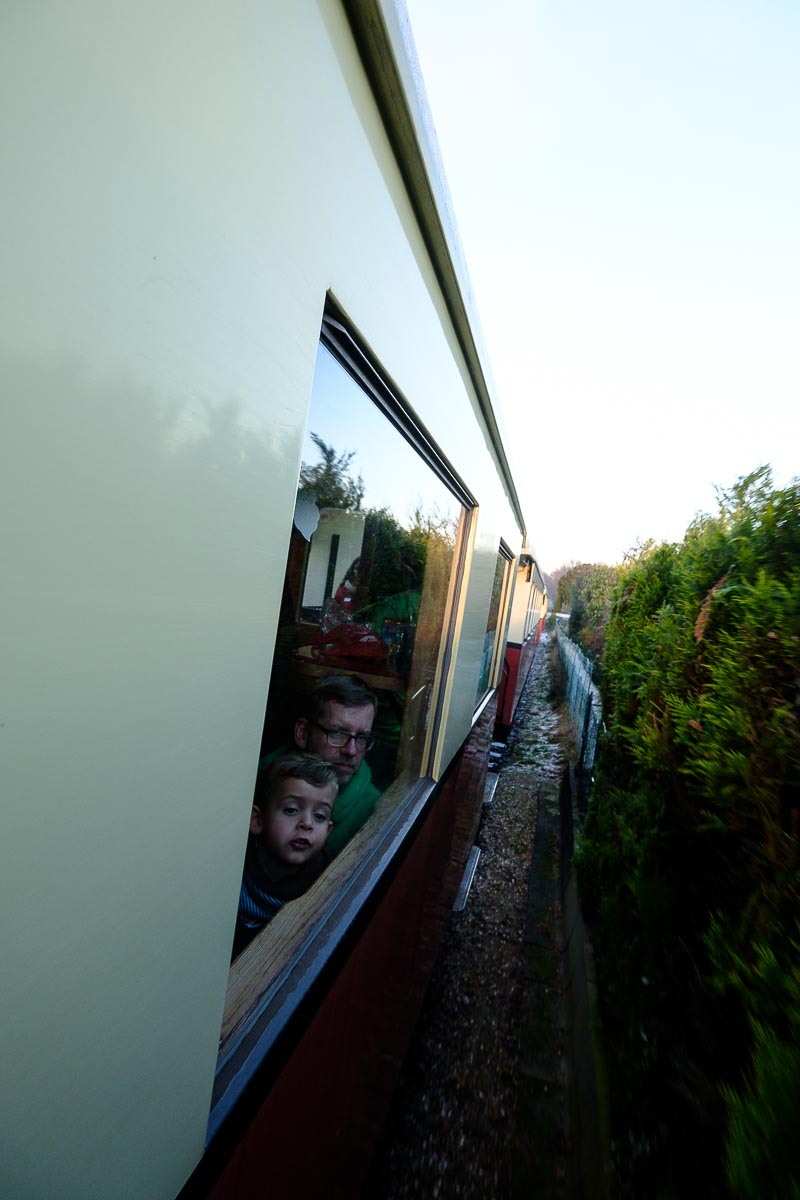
[
  {"x": 286, "y": 848},
  {"x": 337, "y": 726}
]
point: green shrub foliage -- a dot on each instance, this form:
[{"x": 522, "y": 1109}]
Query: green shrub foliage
[
  {"x": 585, "y": 591},
  {"x": 688, "y": 865}
]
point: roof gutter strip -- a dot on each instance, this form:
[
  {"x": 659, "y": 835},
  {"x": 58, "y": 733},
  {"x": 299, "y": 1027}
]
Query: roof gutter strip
[{"x": 385, "y": 44}]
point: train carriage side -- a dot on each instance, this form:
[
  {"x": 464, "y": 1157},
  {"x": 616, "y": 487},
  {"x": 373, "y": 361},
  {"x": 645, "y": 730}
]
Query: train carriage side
[
  {"x": 239, "y": 358},
  {"x": 526, "y": 622}
]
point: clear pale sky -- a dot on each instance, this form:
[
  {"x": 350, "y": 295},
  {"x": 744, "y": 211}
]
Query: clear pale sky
[{"x": 626, "y": 180}]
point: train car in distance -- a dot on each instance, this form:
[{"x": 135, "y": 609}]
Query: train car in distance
[
  {"x": 525, "y": 624},
  {"x": 248, "y": 448}
]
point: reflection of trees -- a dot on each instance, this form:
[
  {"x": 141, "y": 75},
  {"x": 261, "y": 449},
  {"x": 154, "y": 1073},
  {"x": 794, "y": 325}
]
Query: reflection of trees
[
  {"x": 330, "y": 479},
  {"x": 393, "y": 559},
  {"x": 435, "y": 524}
]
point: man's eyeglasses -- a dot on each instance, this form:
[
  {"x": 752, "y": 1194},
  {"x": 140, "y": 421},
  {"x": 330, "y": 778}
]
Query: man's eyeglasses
[{"x": 340, "y": 737}]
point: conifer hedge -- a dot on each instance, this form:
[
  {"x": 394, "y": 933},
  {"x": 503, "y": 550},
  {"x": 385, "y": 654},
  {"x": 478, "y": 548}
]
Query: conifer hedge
[{"x": 688, "y": 864}]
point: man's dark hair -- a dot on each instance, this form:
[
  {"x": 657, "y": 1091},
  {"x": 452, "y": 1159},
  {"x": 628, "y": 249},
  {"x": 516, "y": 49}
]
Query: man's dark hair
[
  {"x": 309, "y": 767},
  {"x": 349, "y": 690}
]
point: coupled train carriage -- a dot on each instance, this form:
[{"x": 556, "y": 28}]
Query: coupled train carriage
[{"x": 248, "y": 442}]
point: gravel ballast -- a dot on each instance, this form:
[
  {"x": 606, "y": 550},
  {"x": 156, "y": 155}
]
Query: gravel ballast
[{"x": 488, "y": 1057}]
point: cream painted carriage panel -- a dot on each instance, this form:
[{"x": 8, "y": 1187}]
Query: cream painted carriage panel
[{"x": 182, "y": 183}]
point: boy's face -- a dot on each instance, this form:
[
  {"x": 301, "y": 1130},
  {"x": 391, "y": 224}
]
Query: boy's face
[{"x": 295, "y": 821}]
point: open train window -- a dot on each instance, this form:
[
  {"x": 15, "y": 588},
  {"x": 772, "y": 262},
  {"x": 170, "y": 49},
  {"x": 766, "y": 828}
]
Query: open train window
[
  {"x": 378, "y": 532},
  {"x": 498, "y": 610}
]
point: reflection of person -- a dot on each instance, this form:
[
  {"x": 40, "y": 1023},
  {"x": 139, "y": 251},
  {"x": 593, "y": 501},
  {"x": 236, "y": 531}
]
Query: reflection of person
[
  {"x": 338, "y": 727},
  {"x": 346, "y": 591},
  {"x": 286, "y": 851}
]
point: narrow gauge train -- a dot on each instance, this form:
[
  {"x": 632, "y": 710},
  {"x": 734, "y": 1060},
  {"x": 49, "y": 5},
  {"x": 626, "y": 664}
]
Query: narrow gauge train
[
  {"x": 526, "y": 621},
  {"x": 241, "y": 377}
]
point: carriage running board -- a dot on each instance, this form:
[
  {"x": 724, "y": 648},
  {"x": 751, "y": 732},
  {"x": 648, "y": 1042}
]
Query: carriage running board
[
  {"x": 466, "y": 880},
  {"x": 492, "y": 780}
]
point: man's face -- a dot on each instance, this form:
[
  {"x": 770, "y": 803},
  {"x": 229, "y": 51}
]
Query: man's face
[
  {"x": 337, "y": 718},
  {"x": 296, "y": 820}
]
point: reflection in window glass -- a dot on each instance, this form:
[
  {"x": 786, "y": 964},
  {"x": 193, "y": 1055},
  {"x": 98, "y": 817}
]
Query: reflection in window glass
[
  {"x": 368, "y": 574},
  {"x": 490, "y": 637}
]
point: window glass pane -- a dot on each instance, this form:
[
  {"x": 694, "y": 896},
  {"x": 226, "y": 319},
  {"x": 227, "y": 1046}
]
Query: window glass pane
[
  {"x": 490, "y": 637},
  {"x": 366, "y": 586}
]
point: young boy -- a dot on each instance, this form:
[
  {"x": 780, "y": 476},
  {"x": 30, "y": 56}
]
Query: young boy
[{"x": 286, "y": 850}]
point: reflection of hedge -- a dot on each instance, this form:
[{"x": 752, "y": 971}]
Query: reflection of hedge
[
  {"x": 392, "y": 559},
  {"x": 689, "y": 861}
]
